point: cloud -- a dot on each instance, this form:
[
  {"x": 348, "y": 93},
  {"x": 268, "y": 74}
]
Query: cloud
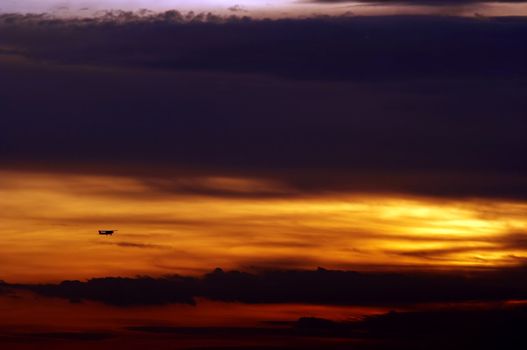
[
  {"x": 295, "y": 286},
  {"x": 337, "y": 48},
  {"x": 460, "y": 329},
  {"x": 10, "y": 338},
  {"x": 513, "y": 241},
  {"x": 121, "y": 291},
  {"x": 420, "y": 105},
  {"x": 212, "y": 331},
  {"x": 491, "y": 327},
  {"x": 4, "y": 287},
  {"x": 237, "y": 8},
  {"x": 486, "y": 327},
  {"x": 137, "y": 245},
  {"x": 75, "y": 336}
]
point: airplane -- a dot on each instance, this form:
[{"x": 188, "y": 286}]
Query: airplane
[{"x": 107, "y": 232}]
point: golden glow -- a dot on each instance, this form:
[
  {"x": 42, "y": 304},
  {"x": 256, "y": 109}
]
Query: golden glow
[{"x": 49, "y": 223}]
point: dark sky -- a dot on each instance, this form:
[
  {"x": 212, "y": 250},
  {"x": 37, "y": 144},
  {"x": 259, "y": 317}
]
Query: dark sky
[{"x": 431, "y": 105}]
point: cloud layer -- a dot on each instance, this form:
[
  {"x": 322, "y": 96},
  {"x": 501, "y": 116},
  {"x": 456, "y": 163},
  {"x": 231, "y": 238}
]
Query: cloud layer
[
  {"x": 420, "y": 105},
  {"x": 294, "y": 286},
  {"x": 370, "y": 48}
]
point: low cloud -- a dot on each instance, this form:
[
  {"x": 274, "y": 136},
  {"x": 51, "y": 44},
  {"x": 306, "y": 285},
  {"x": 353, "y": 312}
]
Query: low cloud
[
  {"x": 71, "y": 336},
  {"x": 4, "y": 287},
  {"x": 121, "y": 291},
  {"x": 295, "y": 286}
]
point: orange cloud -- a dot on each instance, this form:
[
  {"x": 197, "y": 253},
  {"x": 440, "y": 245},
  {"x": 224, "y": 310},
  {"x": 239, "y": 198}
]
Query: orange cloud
[{"x": 49, "y": 226}]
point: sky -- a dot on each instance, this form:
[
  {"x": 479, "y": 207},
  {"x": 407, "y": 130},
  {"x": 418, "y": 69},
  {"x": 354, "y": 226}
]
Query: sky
[
  {"x": 271, "y": 8},
  {"x": 280, "y": 175}
]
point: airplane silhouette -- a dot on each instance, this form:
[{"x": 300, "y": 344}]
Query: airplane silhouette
[{"x": 107, "y": 232}]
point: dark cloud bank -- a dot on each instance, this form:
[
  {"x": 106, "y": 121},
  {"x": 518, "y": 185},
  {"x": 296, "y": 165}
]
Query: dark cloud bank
[
  {"x": 421, "y": 105},
  {"x": 295, "y": 286},
  {"x": 499, "y": 328},
  {"x": 320, "y": 48},
  {"x": 493, "y": 326}
]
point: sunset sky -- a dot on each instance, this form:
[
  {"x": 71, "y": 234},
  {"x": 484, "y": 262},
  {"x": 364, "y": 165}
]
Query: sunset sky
[
  {"x": 281, "y": 174},
  {"x": 274, "y": 8}
]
